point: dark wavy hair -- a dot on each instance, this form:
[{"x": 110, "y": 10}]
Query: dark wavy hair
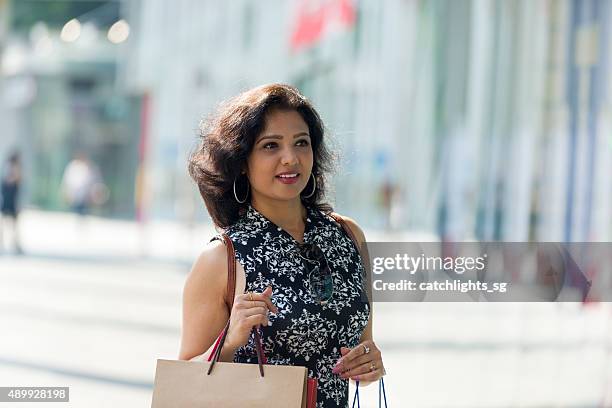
[{"x": 228, "y": 136}]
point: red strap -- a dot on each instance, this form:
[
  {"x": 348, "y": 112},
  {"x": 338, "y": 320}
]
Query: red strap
[
  {"x": 231, "y": 287},
  {"x": 311, "y": 392},
  {"x": 258, "y": 347},
  {"x": 214, "y": 350}
]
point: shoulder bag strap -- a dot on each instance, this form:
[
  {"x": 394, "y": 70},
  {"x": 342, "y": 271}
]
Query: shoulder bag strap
[
  {"x": 340, "y": 220},
  {"x": 229, "y": 301},
  {"x": 231, "y": 272}
]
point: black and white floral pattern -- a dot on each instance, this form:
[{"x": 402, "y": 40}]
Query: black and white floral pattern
[{"x": 304, "y": 332}]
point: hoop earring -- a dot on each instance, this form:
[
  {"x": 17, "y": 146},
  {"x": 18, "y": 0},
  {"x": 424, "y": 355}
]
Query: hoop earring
[
  {"x": 247, "y": 194},
  {"x": 314, "y": 187}
]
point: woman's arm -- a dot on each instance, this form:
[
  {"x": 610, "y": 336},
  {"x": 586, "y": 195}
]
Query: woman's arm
[{"x": 204, "y": 310}]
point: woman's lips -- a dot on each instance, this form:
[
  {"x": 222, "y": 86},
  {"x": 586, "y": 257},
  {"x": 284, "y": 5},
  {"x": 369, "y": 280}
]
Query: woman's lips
[{"x": 288, "y": 179}]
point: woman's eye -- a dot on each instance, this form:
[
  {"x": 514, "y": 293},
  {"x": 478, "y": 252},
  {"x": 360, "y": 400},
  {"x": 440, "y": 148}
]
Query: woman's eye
[
  {"x": 302, "y": 142},
  {"x": 269, "y": 146}
]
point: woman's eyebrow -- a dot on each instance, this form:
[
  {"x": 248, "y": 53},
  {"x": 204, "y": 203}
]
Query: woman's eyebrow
[{"x": 280, "y": 136}]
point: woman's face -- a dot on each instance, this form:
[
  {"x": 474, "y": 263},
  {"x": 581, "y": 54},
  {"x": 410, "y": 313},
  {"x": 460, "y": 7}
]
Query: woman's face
[{"x": 280, "y": 163}]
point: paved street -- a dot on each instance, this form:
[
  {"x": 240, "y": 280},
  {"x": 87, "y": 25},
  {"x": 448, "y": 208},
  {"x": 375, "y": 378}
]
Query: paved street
[{"x": 94, "y": 312}]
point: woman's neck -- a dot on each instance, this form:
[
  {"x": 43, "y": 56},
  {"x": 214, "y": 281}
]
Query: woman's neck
[{"x": 289, "y": 215}]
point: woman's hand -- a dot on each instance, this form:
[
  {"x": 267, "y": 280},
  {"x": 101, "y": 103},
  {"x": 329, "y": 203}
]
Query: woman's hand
[
  {"x": 249, "y": 310},
  {"x": 362, "y": 363}
]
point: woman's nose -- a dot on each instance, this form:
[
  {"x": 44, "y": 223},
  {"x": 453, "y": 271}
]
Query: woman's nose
[{"x": 289, "y": 157}]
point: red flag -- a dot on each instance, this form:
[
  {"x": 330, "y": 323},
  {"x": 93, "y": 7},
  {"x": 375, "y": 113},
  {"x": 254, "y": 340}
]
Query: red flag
[{"x": 317, "y": 17}]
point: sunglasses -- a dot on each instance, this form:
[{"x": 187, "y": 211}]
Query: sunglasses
[{"x": 319, "y": 274}]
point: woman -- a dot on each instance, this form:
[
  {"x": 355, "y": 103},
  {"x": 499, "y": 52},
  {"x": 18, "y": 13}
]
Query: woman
[{"x": 261, "y": 170}]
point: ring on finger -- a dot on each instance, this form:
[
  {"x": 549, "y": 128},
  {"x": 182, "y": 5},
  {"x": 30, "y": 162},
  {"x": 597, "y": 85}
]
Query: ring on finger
[
  {"x": 372, "y": 366},
  {"x": 366, "y": 349},
  {"x": 250, "y": 296}
]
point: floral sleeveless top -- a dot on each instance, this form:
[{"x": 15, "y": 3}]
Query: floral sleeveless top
[{"x": 305, "y": 332}]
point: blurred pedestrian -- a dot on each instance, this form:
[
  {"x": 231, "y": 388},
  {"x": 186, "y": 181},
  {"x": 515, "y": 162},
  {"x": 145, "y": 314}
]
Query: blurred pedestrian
[
  {"x": 390, "y": 204},
  {"x": 82, "y": 184},
  {"x": 10, "y": 185}
]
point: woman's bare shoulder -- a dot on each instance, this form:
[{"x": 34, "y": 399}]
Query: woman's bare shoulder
[
  {"x": 204, "y": 309},
  {"x": 209, "y": 271}
]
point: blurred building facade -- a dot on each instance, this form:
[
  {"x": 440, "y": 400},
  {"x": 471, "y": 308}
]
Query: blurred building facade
[
  {"x": 60, "y": 98},
  {"x": 462, "y": 118},
  {"x": 489, "y": 119}
]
